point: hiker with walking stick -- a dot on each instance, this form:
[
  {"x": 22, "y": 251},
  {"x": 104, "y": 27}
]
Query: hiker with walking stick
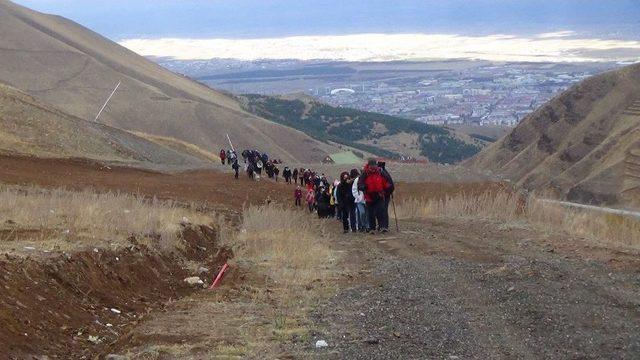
[
  {"x": 375, "y": 187},
  {"x": 388, "y": 194}
]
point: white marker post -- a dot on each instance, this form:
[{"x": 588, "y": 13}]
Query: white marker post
[
  {"x": 230, "y": 143},
  {"x": 107, "y": 102}
]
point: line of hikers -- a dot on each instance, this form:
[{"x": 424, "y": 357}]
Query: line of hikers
[
  {"x": 360, "y": 199},
  {"x": 254, "y": 163}
]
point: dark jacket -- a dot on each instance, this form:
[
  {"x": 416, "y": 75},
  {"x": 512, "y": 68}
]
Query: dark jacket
[{"x": 344, "y": 193}]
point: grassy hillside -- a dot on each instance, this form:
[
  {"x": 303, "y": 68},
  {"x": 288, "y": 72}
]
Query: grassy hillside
[
  {"x": 75, "y": 69},
  {"x": 31, "y": 127},
  {"x": 363, "y": 130}
]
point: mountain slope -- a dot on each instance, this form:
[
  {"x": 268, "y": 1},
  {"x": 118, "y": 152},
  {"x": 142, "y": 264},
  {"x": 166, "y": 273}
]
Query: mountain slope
[
  {"x": 380, "y": 134},
  {"x": 577, "y": 143},
  {"x": 31, "y": 127},
  {"x": 74, "y": 69}
]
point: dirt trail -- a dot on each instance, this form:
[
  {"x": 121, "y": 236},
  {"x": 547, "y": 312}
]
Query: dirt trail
[{"x": 472, "y": 289}]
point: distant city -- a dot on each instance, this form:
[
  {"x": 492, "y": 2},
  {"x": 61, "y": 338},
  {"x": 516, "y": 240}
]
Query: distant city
[{"x": 438, "y": 93}]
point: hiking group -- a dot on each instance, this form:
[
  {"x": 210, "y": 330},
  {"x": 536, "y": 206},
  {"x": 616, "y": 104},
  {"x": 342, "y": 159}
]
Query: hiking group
[
  {"x": 254, "y": 163},
  {"x": 358, "y": 198}
]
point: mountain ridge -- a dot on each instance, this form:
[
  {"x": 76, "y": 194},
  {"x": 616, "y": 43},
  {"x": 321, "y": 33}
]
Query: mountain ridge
[{"x": 576, "y": 144}]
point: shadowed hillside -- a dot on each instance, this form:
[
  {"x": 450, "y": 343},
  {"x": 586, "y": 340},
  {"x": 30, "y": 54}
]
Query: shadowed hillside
[
  {"x": 577, "y": 143},
  {"x": 75, "y": 69}
]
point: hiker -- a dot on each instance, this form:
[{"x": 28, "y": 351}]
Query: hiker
[
  {"x": 375, "y": 186},
  {"x": 275, "y": 171},
  {"x": 346, "y": 201},
  {"x": 301, "y": 175},
  {"x": 223, "y": 156},
  {"x": 358, "y": 196},
  {"x": 337, "y": 209},
  {"x": 322, "y": 202},
  {"x": 388, "y": 193},
  {"x": 311, "y": 200},
  {"x": 297, "y": 194},
  {"x": 286, "y": 174},
  {"x": 250, "y": 171},
  {"x": 333, "y": 203},
  {"x": 235, "y": 167}
]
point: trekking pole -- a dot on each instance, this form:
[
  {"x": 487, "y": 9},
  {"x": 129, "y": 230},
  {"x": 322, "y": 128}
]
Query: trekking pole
[{"x": 395, "y": 215}]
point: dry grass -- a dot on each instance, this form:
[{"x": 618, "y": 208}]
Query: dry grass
[
  {"x": 292, "y": 250},
  {"x": 77, "y": 218},
  {"x": 180, "y": 146},
  {"x": 289, "y": 242},
  {"x": 509, "y": 207}
]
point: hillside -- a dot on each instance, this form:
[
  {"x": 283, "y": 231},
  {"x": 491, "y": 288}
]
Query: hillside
[
  {"x": 30, "y": 127},
  {"x": 576, "y": 144},
  {"x": 74, "y": 69},
  {"x": 379, "y": 134}
]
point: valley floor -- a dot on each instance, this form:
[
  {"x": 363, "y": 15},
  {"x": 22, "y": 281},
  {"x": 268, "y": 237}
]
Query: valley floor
[{"x": 441, "y": 288}]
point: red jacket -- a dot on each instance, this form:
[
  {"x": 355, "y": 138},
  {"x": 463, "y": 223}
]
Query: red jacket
[
  {"x": 298, "y": 193},
  {"x": 375, "y": 184}
]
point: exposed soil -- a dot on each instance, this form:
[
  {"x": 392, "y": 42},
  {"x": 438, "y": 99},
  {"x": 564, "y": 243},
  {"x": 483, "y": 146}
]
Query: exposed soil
[
  {"x": 63, "y": 305},
  {"x": 213, "y": 188}
]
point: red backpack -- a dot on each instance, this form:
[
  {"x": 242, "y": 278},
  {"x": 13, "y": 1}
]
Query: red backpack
[{"x": 375, "y": 182}]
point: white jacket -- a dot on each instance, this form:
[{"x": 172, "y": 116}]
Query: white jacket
[{"x": 358, "y": 195}]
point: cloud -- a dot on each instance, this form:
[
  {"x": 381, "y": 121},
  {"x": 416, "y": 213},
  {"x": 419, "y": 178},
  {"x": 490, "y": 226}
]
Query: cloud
[
  {"x": 557, "y": 34},
  {"x": 550, "y": 47}
]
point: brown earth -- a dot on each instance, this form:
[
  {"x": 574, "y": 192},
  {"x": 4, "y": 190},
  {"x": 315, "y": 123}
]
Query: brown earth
[
  {"x": 63, "y": 305},
  {"x": 576, "y": 144},
  {"x": 213, "y": 189}
]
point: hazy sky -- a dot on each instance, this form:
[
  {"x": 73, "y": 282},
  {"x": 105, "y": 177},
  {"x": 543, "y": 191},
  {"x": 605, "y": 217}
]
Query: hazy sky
[
  {"x": 358, "y": 30},
  {"x": 120, "y": 19}
]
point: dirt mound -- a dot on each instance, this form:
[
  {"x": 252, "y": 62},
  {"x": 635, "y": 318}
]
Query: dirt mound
[
  {"x": 82, "y": 303},
  {"x": 577, "y": 143}
]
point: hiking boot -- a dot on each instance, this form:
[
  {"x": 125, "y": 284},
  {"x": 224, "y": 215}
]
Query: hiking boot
[
  {"x": 372, "y": 232},
  {"x": 384, "y": 231}
]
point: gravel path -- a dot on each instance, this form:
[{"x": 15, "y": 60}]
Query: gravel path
[{"x": 526, "y": 301}]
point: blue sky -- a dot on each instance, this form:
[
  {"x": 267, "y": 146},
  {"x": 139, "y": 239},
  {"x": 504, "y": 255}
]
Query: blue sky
[{"x": 119, "y": 19}]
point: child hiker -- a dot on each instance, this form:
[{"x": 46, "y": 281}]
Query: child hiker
[{"x": 298, "y": 196}]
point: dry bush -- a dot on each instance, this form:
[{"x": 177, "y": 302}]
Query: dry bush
[
  {"x": 499, "y": 205},
  {"x": 293, "y": 250},
  {"x": 508, "y": 207},
  {"x": 612, "y": 228},
  {"x": 289, "y": 242},
  {"x": 88, "y": 215}
]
